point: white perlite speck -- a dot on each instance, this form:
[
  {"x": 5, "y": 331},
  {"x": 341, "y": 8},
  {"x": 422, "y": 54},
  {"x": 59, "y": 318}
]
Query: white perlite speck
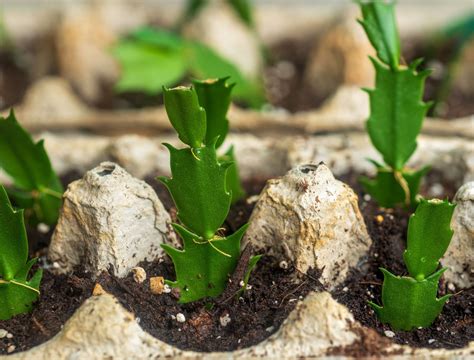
[
  {"x": 180, "y": 318},
  {"x": 225, "y": 320},
  {"x": 389, "y": 333},
  {"x": 3, "y": 333}
]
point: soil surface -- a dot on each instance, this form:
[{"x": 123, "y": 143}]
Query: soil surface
[
  {"x": 260, "y": 311},
  {"x": 61, "y": 296},
  {"x": 252, "y": 316}
]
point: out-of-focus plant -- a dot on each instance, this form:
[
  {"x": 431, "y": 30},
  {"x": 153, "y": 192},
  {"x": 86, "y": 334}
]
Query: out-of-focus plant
[
  {"x": 410, "y": 301},
  {"x": 242, "y": 8},
  {"x": 17, "y": 293},
  {"x": 451, "y": 40},
  {"x": 36, "y": 186},
  {"x": 397, "y": 110},
  {"x": 151, "y": 59}
]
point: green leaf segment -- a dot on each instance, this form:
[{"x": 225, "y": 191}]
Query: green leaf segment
[
  {"x": 397, "y": 110},
  {"x": 37, "y": 186},
  {"x": 200, "y": 191},
  {"x": 17, "y": 293},
  {"x": 151, "y": 59},
  {"x": 214, "y": 96},
  {"x": 410, "y": 301}
]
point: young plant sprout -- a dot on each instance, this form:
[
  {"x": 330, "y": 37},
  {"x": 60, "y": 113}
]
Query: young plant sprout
[
  {"x": 200, "y": 191},
  {"x": 36, "y": 186},
  {"x": 410, "y": 301},
  {"x": 17, "y": 293},
  {"x": 396, "y": 110}
]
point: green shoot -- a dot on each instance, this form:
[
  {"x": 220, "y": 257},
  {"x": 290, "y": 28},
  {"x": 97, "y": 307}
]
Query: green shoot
[
  {"x": 397, "y": 110},
  {"x": 17, "y": 293},
  {"x": 410, "y": 301},
  {"x": 151, "y": 59},
  {"x": 199, "y": 189},
  {"x": 251, "y": 266},
  {"x": 36, "y": 185}
]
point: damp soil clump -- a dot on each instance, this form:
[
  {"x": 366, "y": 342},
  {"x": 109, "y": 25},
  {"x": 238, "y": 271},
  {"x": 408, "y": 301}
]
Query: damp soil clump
[
  {"x": 223, "y": 324},
  {"x": 454, "y": 328}
]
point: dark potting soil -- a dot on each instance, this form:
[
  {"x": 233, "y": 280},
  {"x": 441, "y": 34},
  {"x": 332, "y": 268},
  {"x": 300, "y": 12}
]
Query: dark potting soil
[
  {"x": 253, "y": 316},
  {"x": 61, "y": 296},
  {"x": 260, "y": 311}
]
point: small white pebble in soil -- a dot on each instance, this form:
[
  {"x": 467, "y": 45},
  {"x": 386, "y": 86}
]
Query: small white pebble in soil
[
  {"x": 239, "y": 341},
  {"x": 345, "y": 289},
  {"x": 224, "y": 320},
  {"x": 56, "y": 265},
  {"x": 292, "y": 300},
  {"x": 180, "y": 318},
  {"x": 11, "y": 349},
  {"x": 43, "y": 228},
  {"x": 9, "y": 336},
  {"x": 438, "y": 328},
  {"x": 270, "y": 329},
  {"x": 431, "y": 341},
  {"x": 451, "y": 287},
  {"x": 367, "y": 197},
  {"x": 376, "y": 255},
  {"x": 173, "y": 317},
  {"x": 283, "y": 264},
  {"x": 166, "y": 289},
  {"x": 217, "y": 338},
  {"x": 389, "y": 333},
  {"x": 139, "y": 274},
  {"x": 3, "y": 333}
]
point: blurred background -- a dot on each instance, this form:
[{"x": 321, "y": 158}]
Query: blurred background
[{"x": 287, "y": 56}]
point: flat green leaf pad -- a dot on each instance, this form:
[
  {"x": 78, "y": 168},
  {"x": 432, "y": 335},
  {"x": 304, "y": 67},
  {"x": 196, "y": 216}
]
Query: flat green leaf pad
[
  {"x": 203, "y": 267},
  {"x": 198, "y": 188},
  {"x": 429, "y": 235},
  {"x": 214, "y": 96},
  {"x": 16, "y": 293},
  {"x": 397, "y": 112},
  {"x": 408, "y": 303},
  {"x": 378, "y": 21},
  {"x": 186, "y": 115}
]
